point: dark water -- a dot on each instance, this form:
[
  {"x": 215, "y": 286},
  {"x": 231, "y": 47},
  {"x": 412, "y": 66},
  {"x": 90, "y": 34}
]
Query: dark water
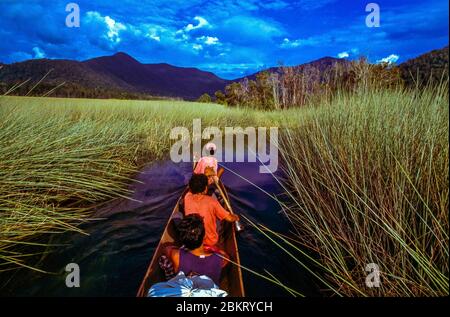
[{"x": 114, "y": 256}]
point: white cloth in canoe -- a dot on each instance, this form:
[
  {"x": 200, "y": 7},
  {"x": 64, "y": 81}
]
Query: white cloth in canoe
[{"x": 183, "y": 286}]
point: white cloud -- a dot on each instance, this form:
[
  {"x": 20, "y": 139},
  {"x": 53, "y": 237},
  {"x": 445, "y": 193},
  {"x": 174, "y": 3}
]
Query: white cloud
[
  {"x": 289, "y": 44},
  {"x": 389, "y": 60},
  {"x": 343, "y": 55},
  {"x": 197, "y": 47},
  {"x": 180, "y": 36},
  {"x": 156, "y": 38},
  {"x": 300, "y": 42},
  {"x": 113, "y": 27},
  {"x": 209, "y": 40},
  {"x": 355, "y": 51},
  {"x": 153, "y": 34},
  {"x": 202, "y": 22},
  {"x": 38, "y": 53},
  {"x": 346, "y": 54}
]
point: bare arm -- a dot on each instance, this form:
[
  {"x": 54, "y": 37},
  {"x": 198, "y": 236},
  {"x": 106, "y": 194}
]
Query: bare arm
[
  {"x": 173, "y": 253},
  {"x": 231, "y": 217},
  {"x": 220, "y": 172},
  {"x": 223, "y": 214}
]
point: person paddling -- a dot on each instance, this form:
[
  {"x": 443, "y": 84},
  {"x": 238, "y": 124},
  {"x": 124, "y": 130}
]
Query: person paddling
[
  {"x": 208, "y": 165},
  {"x": 198, "y": 202}
]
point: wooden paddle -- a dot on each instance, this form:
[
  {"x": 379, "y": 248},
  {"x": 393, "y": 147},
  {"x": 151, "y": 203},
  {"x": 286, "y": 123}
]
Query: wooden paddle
[{"x": 238, "y": 225}]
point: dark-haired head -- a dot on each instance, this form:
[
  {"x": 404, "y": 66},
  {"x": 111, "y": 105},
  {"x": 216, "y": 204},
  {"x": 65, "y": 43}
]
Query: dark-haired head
[
  {"x": 211, "y": 152},
  {"x": 198, "y": 183},
  {"x": 191, "y": 231}
]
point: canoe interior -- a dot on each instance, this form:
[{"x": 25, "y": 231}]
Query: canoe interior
[{"x": 231, "y": 278}]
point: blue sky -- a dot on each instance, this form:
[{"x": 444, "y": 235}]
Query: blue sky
[{"x": 231, "y": 38}]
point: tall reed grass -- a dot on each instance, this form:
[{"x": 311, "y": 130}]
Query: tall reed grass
[
  {"x": 368, "y": 178},
  {"x": 59, "y": 157},
  {"x": 367, "y": 175}
]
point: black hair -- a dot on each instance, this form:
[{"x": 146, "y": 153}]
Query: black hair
[
  {"x": 211, "y": 151},
  {"x": 191, "y": 231},
  {"x": 198, "y": 183}
]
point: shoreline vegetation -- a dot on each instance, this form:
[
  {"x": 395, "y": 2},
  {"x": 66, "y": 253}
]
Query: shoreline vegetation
[
  {"x": 369, "y": 183},
  {"x": 367, "y": 168}
]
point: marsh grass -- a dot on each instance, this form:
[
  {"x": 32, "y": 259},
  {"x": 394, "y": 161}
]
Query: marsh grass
[
  {"x": 59, "y": 157},
  {"x": 366, "y": 174},
  {"x": 368, "y": 178}
]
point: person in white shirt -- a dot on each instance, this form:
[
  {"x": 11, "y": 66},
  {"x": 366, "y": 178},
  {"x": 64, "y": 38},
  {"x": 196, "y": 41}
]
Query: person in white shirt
[{"x": 208, "y": 165}]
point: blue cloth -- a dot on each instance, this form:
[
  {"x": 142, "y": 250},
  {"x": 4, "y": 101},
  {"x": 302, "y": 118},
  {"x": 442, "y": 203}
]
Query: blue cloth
[{"x": 182, "y": 286}]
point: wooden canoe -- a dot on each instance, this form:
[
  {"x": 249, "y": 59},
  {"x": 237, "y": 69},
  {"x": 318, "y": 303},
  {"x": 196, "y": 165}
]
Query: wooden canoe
[{"x": 231, "y": 278}]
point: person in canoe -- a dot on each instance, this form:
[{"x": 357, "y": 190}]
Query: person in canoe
[
  {"x": 193, "y": 258},
  {"x": 208, "y": 165},
  {"x": 198, "y": 202}
]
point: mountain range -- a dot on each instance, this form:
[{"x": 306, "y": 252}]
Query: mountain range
[
  {"x": 127, "y": 77},
  {"x": 426, "y": 68},
  {"x": 119, "y": 72}
]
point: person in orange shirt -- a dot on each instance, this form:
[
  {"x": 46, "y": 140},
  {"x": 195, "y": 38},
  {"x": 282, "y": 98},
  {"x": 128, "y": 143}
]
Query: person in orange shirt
[{"x": 198, "y": 202}]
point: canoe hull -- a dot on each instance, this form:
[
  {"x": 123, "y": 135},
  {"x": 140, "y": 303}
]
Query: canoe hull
[{"x": 231, "y": 278}]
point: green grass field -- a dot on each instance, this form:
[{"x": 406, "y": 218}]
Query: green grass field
[{"x": 368, "y": 173}]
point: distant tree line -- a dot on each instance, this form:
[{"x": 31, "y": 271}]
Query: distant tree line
[
  {"x": 427, "y": 69},
  {"x": 297, "y": 86},
  {"x": 205, "y": 98},
  {"x": 69, "y": 90}
]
